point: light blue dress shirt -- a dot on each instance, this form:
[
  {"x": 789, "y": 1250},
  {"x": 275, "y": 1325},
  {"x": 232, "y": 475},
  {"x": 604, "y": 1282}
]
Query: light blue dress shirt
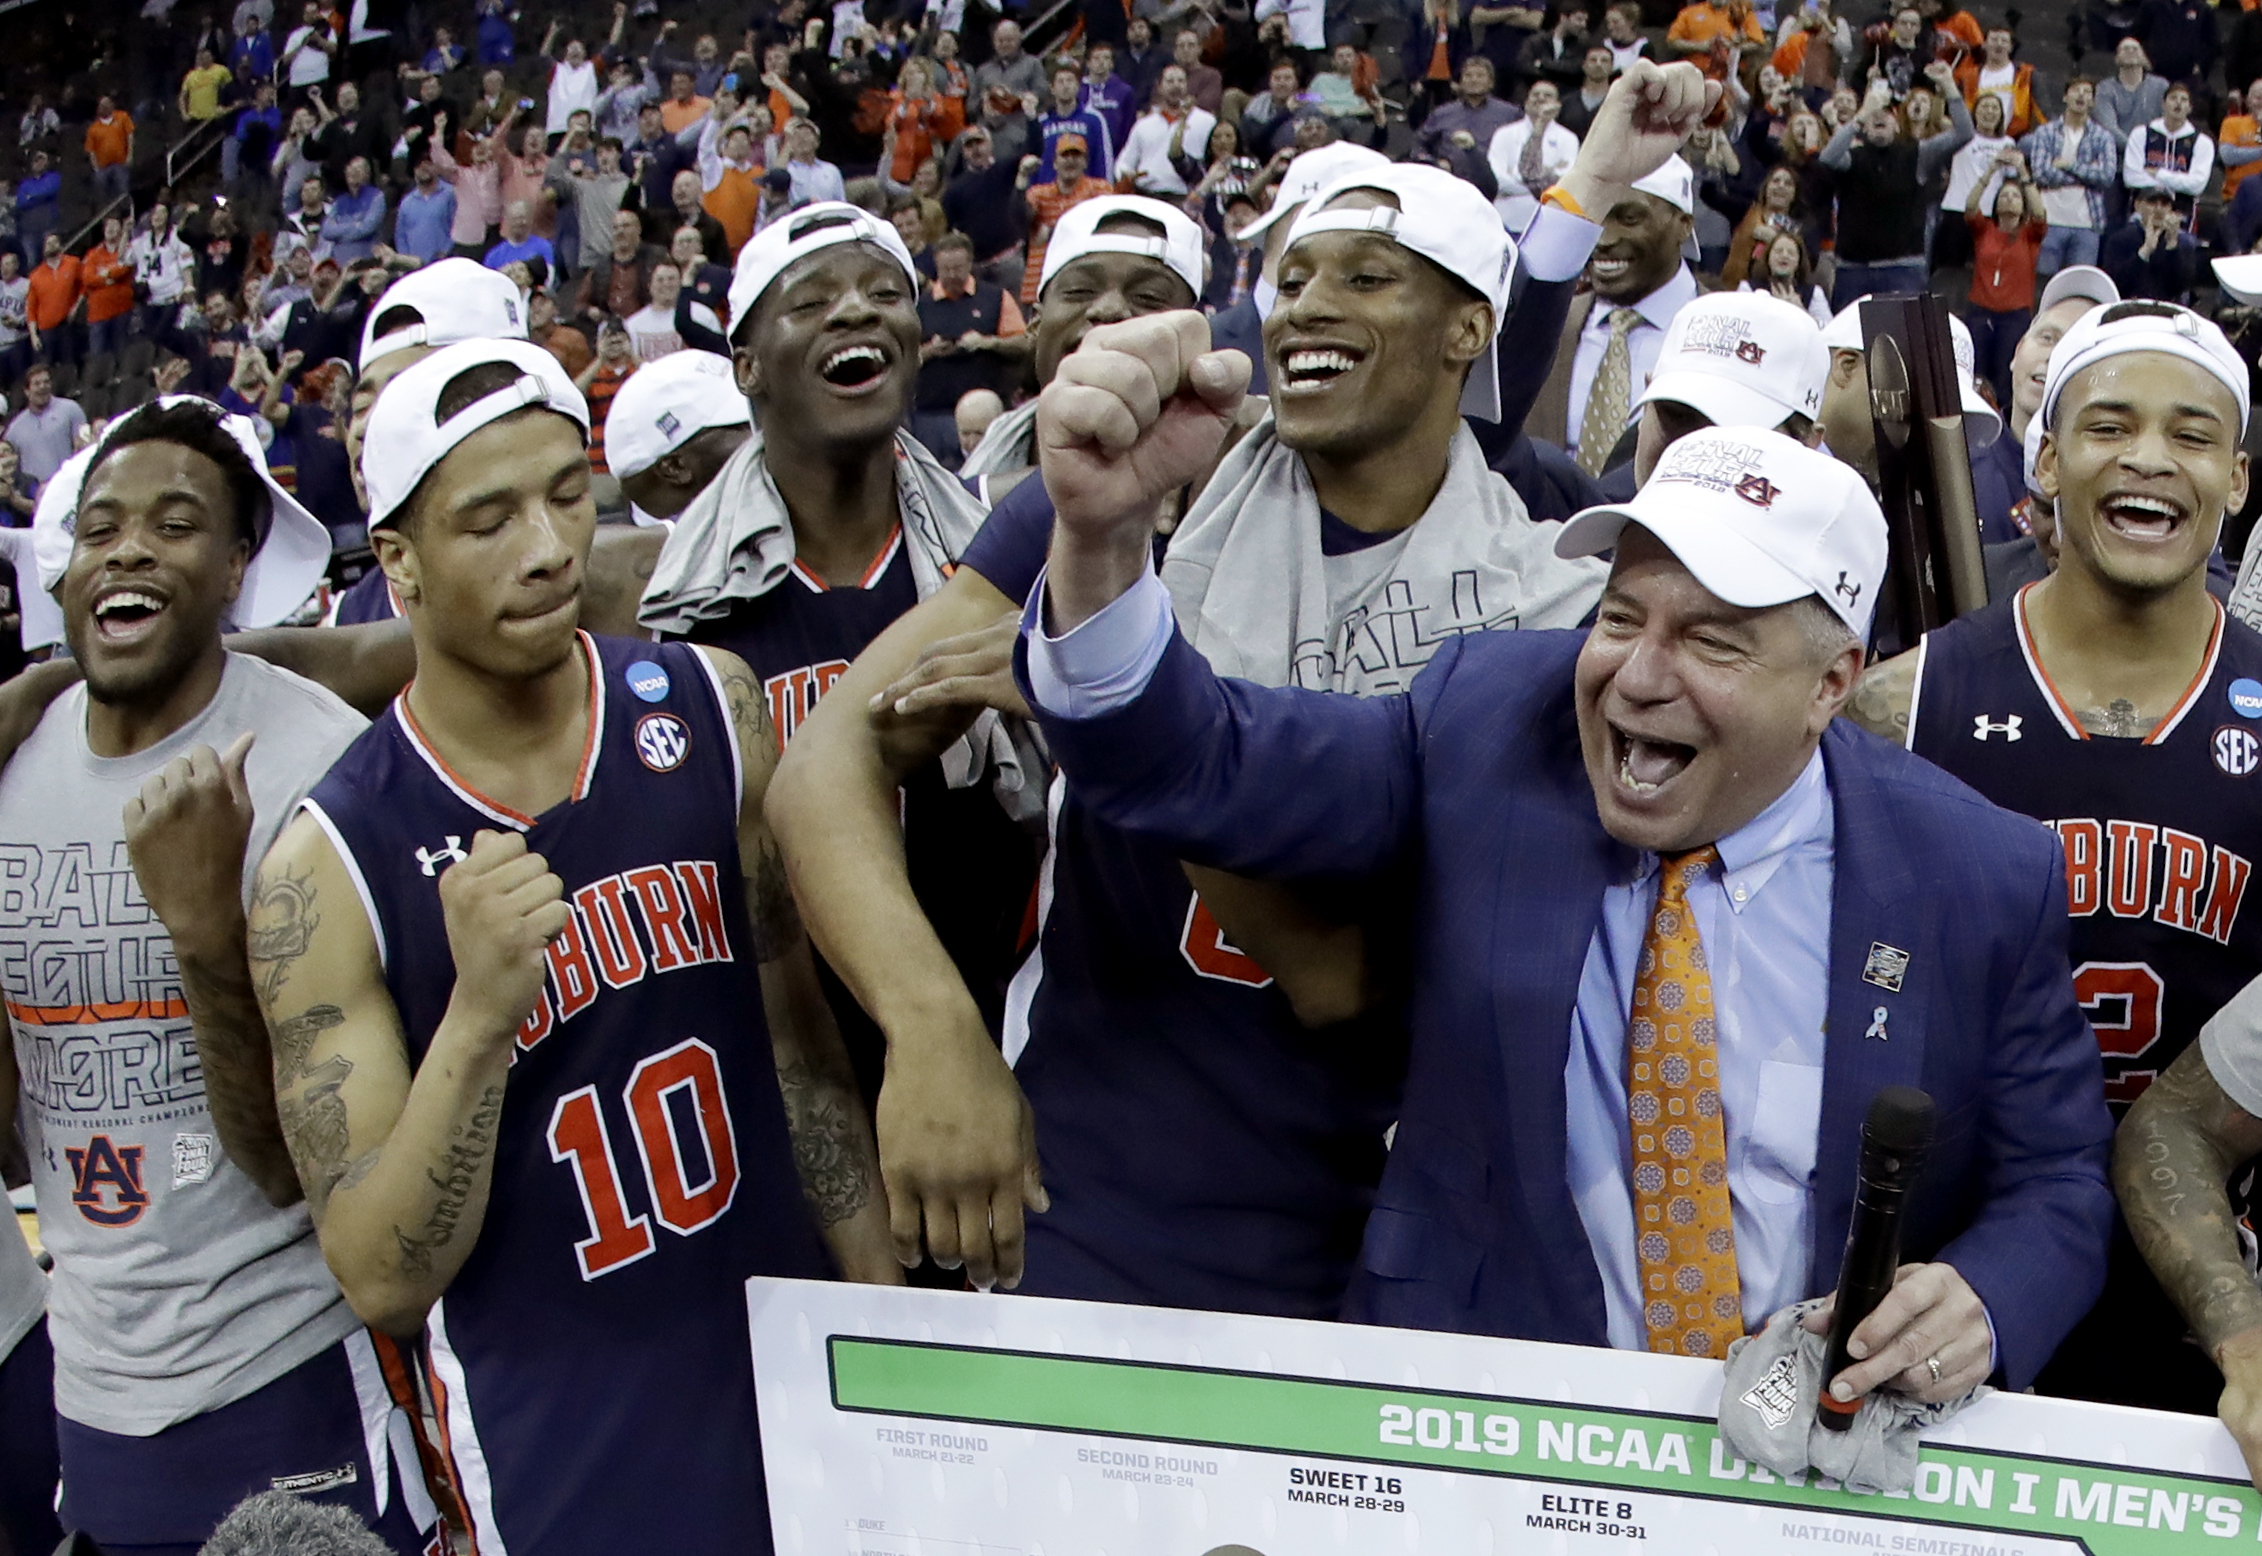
[{"x": 1764, "y": 916}]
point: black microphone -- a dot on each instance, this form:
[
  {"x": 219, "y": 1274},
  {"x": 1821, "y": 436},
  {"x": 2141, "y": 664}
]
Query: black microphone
[{"x": 1894, "y": 1140}]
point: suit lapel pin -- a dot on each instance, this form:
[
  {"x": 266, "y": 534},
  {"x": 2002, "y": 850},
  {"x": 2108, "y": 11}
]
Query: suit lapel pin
[
  {"x": 1886, "y": 967},
  {"x": 1877, "y": 1025}
]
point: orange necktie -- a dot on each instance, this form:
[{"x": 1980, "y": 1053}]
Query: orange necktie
[{"x": 1685, "y": 1236}]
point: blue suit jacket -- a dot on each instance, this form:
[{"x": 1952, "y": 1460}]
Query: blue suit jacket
[{"x": 1478, "y": 770}]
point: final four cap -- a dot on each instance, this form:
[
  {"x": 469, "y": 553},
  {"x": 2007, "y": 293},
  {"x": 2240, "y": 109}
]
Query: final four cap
[
  {"x": 1674, "y": 184},
  {"x": 1443, "y": 219},
  {"x": 665, "y": 404},
  {"x": 455, "y": 299},
  {"x": 1310, "y": 172},
  {"x": 816, "y": 226},
  {"x": 291, "y": 546},
  {"x": 1745, "y": 359},
  {"x": 2146, "y": 326},
  {"x": 1077, "y": 234},
  {"x": 1760, "y": 519},
  {"x": 406, "y": 437},
  {"x": 1982, "y": 421}
]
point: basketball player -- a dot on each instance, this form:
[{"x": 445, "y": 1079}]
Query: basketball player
[
  {"x": 202, "y": 1351},
  {"x": 672, "y": 427},
  {"x": 2111, "y": 701},
  {"x": 536, "y": 986},
  {"x": 450, "y": 301},
  {"x": 1209, "y": 1137},
  {"x": 1113, "y": 258},
  {"x": 826, "y": 525}
]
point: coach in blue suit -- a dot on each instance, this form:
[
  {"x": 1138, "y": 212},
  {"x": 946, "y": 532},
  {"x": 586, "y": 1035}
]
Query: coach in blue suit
[{"x": 1867, "y": 922}]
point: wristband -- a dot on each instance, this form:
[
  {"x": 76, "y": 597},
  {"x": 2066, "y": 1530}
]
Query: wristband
[{"x": 1560, "y": 198}]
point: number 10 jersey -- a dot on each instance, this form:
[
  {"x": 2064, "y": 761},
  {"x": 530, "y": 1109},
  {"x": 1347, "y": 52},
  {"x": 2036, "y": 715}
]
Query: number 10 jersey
[{"x": 591, "y": 1357}]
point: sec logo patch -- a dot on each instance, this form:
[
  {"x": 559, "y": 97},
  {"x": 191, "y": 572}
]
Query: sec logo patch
[
  {"x": 662, "y": 741},
  {"x": 2238, "y": 751}
]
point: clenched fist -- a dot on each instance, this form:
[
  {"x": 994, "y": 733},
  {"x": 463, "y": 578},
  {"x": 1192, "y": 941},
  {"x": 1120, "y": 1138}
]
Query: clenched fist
[
  {"x": 185, "y": 834},
  {"x": 502, "y": 907}
]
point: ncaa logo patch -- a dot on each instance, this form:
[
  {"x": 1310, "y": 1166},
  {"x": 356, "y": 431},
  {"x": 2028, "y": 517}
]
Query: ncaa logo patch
[
  {"x": 2246, "y": 698},
  {"x": 2238, "y": 751},
  {"x": 662, "y": 741},
  {"x": 648, "y": 681}
]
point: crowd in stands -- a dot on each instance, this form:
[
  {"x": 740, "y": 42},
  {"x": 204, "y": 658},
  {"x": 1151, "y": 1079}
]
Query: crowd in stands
[{"x": 220, "y": 202}]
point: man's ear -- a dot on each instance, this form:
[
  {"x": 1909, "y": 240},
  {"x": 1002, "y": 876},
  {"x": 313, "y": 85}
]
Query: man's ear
[
  {"x": 396, "y": 557},
  {"x": 2046, "y": 468},
  {"x": 747, "y": 369}
]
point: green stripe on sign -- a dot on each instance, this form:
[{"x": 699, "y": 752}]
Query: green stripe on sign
[{"x": 2112, "y": 1510}]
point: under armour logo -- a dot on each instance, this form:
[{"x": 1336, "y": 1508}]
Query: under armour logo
[
  {"x": 1757, "y": 490},
  {"x": 1848, "y": 590},
  {"x": 1750, "y": 351},
  {"x": 1982, "y": 726},
  {"x": 433, "y": 858}
]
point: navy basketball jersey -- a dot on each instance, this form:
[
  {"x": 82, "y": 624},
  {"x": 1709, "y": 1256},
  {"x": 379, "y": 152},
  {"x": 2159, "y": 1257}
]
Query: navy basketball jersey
[
  {"x": 970, "y": 864},
  {"x": 2160, "y": 833},
  {"x": 591, "y": 1358},
  {"x": 371, "y": 598}
]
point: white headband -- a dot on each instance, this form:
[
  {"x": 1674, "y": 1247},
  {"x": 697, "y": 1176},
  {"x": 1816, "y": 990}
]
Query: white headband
[{"x": 2162, "y": 327}]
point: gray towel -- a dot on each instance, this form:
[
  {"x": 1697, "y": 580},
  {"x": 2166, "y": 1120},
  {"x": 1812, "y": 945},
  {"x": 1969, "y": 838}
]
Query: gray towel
[
  {"x": 1366, "y": 621},
  {"x": 735, "y": 542},
  {"x": 1768, "y": 1403}
]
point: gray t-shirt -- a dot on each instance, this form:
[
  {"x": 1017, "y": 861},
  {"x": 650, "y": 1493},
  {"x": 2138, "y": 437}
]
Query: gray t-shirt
[{"x": 177, "y": 1288}]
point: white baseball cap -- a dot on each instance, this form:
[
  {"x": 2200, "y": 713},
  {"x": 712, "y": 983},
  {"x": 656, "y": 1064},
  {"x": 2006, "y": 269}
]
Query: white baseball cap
[
  {"x": 406, "y": 438},
  {"x": 664, "y": 404},
  {"x": 456, "y": 299},
  {"x": 1443, "y": 219},
  {"x": 2081, "y": 281},
  {"x": 1673, "y": 183},
  {"x": 287, "y": 561},
  {"x": 1077, "y": 234},
  {"x": 817, "y": 225},
  {"x": 1759, "y": 518},
  {"x": 1308, "y": 173},
  {"x": 1982, "y": 422},
  {"x": 1745, "y": 359},
  {"x": 2238, "y": 274},
  {"x": 2146, "y": 326}
]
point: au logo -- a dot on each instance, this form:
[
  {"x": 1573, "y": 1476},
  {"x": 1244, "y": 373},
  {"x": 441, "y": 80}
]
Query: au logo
[
  {"x": 662, "y": 741},
  {"x": 1757, "y": 490},
  {"x": 1750, "y": 351},
  {"x": 106, "y": 1182}
]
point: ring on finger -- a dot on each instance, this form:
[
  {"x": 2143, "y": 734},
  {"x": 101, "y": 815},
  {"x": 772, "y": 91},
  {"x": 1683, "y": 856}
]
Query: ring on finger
[{"x": 1932, "y": 1364}]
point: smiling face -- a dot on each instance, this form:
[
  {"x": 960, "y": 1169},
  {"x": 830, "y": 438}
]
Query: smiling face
[
  {"x": 490, "y": 563},
  {"x": 830, "y": 352},
  {"x": 1694, "y": 714},
  {"x": 1640, "y": 248},
  {"x": 1101, "y": 289},
  {"x": 156, "y": 560},
  {"x": 1367, "y": 340},
  {"x": 665, "y": 283},
  {"x": 1783, "y": 258},
  {"x": 1987, "y": 115},
  {"x": 2142, "y": 462}
]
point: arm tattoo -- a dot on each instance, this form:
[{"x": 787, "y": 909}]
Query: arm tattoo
[
  {"x": 311, "y": 1111},
  {"x": 749, "y": 710},
  {"x": 834, "y": 1164},
  {"x": 2171, "y": 1159},
  {"x": 280, "y": 928},
  {"x": 771, "y": 912},
  {"x": 1881, "y": 702},
  {"x": 469, "y": 1146}
]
